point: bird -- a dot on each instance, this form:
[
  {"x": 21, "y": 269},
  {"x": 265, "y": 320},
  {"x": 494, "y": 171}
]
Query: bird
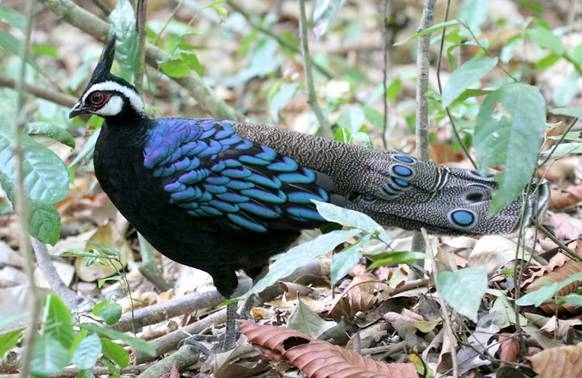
[{"x": 221, "y": 195}]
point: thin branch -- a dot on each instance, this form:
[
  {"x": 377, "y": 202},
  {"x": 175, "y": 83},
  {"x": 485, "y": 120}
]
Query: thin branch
[
  {"x": 22, "y": 202},
  {"x": 52, "y": 96},
  {"x": 421, "y": 101},
  {"x": 422, "y": 65},
  {"x": 385, "y": 31},
  {"x": 141, "y": 32},
  {"x": 166, "y": 310},
  {"x": 168, "y": 342},
  {"x": 311, "y": 94},
  {"x": 185, "y": 356}
]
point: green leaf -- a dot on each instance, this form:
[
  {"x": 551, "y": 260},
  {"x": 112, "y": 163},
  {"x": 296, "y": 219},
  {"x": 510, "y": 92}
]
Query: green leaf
[
  {"x": 115, "y": 352},
  {"x": 13, "y": 321},
  {"x": 505, "y": 314},
  {"x": 565, "y": 149},
  {"x": 474, "y": 14},
  {"x": 45, "y": 175},
  {"x": 46, "y": 50},
  {"x": 52, "y": 131},
  {"x": 324, "y": 13},
  {"x": 219, "y": 8},
  {"x": 9, "y": 340},
  {"x": 116, "y": 335},
  {"x": 547, "y": 62},
  {"x": 352, "y": 118},
  {"x": 547, "y": 292},
  {"x": 394, "y": 258},
  {"x": 49, "y": 356},
  {"x": 463, "y": 290},
  {"x": 300, "y": 255},
  {"x": 572, "y": 299},
  {"x": 429, "y": 30},
  {"x": 510, "y": 124},
  {"x": 565, "y": 89},
  {"x": 465, "y": 76},
  {"x": 546, "y": 39},
  {"x": 87, "y": 352},
  {"x": 109, "y": 312},
  {"x": 175, "y": 68},
  {"x": 574, "y": 111},
  {"x": 304, "y": 320},
  {"x": 45, "y": 223},
  {"x": 58, "y": 322},
  {"x": 352, "y": 218},
  {"x": 280, "y": 99},
  {"x": 375, "y": 117},
  {"x": 87, "y": 148},
  {"x": 12, "y": 17},
  {"x": 114, "y": 369},
  {"x": 10, "y": 43},
  {"x": 122, "y": 21},
  {"x": 193, "y": 62},
  {"x": 343, "y": 262},
  {"x": 87, "y": 373}
]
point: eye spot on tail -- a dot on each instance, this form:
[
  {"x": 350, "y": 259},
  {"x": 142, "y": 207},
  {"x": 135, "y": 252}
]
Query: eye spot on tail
[
  {"x": 406, "y": 159},
  {"x": 474, "y": 197},
  {"x": 402, "y": 170},
  {"x": 485, "y": 175},
  {"x": 368, "y": 197},
  {"x": 463, "y": 218},
  {"x": 476, "y": 193}
]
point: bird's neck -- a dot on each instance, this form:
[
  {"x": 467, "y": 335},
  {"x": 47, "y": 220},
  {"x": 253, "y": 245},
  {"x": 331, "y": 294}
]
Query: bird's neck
[{"x": 128, "y": 129}]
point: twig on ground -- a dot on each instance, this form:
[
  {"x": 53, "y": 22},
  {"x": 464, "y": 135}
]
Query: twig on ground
[
  {"x": 168, "y": 342},
  {"x": 166, "y": 310},
  {"x": 73, "y": 301},
  {"x": 149, "y": 267},
  {"x": 185, "y": 356}
]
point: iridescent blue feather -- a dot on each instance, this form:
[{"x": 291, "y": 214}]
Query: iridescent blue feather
[{"x": 210, "y": 171}]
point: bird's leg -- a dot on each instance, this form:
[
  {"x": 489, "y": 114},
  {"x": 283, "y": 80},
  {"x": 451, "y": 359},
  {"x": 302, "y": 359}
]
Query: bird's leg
[{"x": 231, "y": 333}]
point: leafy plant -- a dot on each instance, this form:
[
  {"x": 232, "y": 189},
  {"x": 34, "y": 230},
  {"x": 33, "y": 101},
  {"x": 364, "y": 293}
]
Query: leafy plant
[{"x": 64, "y": 340}]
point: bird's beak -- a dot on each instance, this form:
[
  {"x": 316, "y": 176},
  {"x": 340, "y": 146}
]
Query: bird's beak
[{"x": 76, "y": 110}]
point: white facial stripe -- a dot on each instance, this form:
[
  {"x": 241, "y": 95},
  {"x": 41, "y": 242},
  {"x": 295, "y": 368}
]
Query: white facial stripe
[
  {"x": 112, "y": 107},
  {"x": 134, "y": 98}
]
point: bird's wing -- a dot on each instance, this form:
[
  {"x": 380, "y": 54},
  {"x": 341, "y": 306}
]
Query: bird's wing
[{"x": 211, "y": 172}]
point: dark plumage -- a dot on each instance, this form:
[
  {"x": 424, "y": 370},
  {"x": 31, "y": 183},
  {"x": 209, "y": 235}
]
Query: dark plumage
[{"x": 220, "y": 195}]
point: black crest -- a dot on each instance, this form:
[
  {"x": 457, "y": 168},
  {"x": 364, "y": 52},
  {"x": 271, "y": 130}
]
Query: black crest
[{"x": 103, "y": 68}]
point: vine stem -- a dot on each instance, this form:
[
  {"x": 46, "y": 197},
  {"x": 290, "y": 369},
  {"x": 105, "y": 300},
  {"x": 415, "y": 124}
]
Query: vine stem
[
  {"x": 421, "y": 101},
  {"x": 311, "y": 94},
  {"x": 22, "y": 203}
]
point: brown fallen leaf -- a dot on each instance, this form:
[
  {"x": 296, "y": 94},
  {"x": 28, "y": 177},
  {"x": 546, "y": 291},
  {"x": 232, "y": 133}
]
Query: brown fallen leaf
[
  {"x": 565, "y": 198},
  {"x": 563, "y": 362},
  {"x": 363, "y": 293},
  {"x": 558, "y": 269},
  {"x": 317, "y": 358},
  {"x": 508, "y": 348}
]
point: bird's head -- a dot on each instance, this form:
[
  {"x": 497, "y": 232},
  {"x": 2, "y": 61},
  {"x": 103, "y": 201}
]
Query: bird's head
[{"x": 107, "y": 95}]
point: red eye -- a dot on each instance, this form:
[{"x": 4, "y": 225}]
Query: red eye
[{"x": 98, "y": 99}]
